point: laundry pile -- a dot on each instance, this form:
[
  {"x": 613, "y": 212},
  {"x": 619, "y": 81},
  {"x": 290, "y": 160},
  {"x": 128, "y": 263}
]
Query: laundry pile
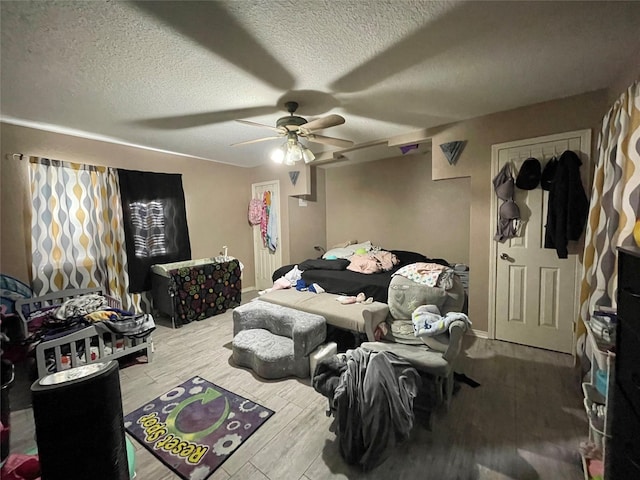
[
  {"x": 371, "y": 396},
  {"x": 76, "y": 313}
]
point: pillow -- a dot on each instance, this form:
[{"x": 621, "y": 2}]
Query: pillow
[
  {"x": 366, "y": 245},
  {"x": 324, "y": 264},
  {"x": 344, "y": 244},
  {"x": 346, "y": 252}
]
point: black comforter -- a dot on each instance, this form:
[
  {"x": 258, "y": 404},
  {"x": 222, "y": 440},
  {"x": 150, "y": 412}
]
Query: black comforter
[{"x": 333, "y": 276}]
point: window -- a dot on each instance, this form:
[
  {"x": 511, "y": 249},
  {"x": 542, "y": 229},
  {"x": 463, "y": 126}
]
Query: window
[
  {"x": 155, "y": 223},
  {"x": 147, "y": 220}
]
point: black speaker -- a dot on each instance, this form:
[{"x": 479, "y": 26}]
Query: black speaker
[{"x": 79, "y": 424}]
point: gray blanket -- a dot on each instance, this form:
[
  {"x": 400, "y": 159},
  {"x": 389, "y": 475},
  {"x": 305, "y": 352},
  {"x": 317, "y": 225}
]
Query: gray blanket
[{"x": 371, "y": 396}]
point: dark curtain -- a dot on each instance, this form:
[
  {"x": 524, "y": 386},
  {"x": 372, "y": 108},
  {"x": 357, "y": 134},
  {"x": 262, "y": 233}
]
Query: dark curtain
[{"x": 155, "y": 223}]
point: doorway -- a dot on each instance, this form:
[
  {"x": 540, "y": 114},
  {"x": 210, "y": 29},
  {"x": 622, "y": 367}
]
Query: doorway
[{"x": 265, "y": 260}]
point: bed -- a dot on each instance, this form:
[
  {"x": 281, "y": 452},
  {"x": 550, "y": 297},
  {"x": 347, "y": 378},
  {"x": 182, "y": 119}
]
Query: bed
[
  {"x": 400, "y": 294},
  {"x": 79, "y": 344},
  {"x": 332, "y": 274}
]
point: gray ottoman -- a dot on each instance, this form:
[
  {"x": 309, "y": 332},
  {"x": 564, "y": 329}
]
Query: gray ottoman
[{"x": 275, "y": 341}]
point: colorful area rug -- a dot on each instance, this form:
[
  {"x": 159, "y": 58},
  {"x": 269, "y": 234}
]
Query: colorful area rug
[{"x": 195, "y": 427}]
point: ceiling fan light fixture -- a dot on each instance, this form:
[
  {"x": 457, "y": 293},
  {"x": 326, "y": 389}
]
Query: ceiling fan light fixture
[
  {"x": 277, "y": 155},
  {"x": 293, "y": 128},
  {"x": 307, "y": 155},
  {"x": 294, "y": 154}
]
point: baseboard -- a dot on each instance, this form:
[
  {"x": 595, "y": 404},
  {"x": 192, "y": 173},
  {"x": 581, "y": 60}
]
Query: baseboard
[
  {"x": 247, "y": 289},
  {"x": 478, "y": 333}
]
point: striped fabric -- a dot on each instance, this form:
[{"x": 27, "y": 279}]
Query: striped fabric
[
  {"x": 77, "y": 235},
  {"x": 615, "y": 202}
]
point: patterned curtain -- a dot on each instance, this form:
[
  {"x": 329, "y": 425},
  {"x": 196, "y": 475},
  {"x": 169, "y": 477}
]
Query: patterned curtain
[
  {"x": 615, "y": 202},
  {"x": 77, "y": 234}
]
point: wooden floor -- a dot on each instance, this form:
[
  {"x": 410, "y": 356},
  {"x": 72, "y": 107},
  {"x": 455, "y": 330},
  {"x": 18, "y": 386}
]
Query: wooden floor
[{"x": 524, "y": 422}]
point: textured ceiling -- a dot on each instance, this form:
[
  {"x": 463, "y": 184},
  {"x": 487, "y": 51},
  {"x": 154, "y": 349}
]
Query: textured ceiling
[{"x": 174, "y": 75}]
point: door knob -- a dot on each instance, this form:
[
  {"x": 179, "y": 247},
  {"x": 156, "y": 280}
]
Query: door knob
[{"x": 504, "y": 256}]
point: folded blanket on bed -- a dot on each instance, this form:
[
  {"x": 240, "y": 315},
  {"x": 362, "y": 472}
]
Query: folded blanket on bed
[{"x": 429, "y": 274}]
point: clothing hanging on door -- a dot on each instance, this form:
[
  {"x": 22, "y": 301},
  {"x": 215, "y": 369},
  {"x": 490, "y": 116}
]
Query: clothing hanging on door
[
  {"x": 254, "y": 212},
  {"x": 508, "y": 213},
  {"x": 568, "y": 205},
  {"x": 272, "y": 231},
  {"x": 264, "y": 220}
]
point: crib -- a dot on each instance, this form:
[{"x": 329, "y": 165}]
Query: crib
[
  {"x": 87, "y": 345},
  {"x": 196, "y": 289}
]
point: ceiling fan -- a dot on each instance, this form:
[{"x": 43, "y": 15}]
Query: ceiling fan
[{"x": 293, "y": 127}]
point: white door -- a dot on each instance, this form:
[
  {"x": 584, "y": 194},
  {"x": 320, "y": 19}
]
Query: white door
[
  {"x": 534, "y": 294},
  {"x": 265, "y": 260}
]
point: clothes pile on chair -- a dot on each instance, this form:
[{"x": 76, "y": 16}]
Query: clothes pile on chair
[{"x": 371, "y": 396}]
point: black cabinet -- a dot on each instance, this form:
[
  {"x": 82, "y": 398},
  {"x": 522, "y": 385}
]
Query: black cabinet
[
  {"x": 623, "y": 454},
  {"x": 623, "y": 457}
]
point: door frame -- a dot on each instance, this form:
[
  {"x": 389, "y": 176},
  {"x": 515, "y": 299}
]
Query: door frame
[{"x": 585, "y": 139}]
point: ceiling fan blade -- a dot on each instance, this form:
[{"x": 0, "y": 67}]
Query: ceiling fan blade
[
  {"x": 254, "y": 141},
  {"x": 213, "y": 26},
  {"x": 320, "y": 123},
  {"x": 255, "y": 124},
  {"x": 204, "y": 118},
  {"x": 336, "y": 142}
]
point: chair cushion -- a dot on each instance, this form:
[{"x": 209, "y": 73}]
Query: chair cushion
[
  {"x": 357, "y": 317},
  {"x": 420, "y": 357}
]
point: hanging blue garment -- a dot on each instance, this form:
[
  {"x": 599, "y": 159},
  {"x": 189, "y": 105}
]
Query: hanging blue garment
[{"x": 272, "y": 231}]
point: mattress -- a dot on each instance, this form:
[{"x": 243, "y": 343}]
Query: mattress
[
  {"x": 357, "y": 317},
  {"x": 347, "y": 282}
]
